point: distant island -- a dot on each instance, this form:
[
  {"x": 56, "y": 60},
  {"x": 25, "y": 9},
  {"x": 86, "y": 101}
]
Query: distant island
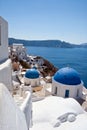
[{"x": 46, "y": 43}]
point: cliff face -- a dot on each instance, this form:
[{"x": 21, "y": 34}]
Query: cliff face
[
  {"x": 50, "y": 69},
  {"x": 44, "y": 66}
]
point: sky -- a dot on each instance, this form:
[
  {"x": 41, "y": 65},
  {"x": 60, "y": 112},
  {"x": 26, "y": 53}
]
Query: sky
[{"x": 64, "y": 20}]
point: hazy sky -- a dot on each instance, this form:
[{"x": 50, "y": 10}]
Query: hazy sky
[{"x": 46, "y": 19}]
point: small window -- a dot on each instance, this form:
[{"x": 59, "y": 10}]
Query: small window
[
  {"x": 78, "y": 93},
  {"x": 0, "y": 34},
  {"x": 67, "y": 93},
  {"x": 55, "y": 91}
]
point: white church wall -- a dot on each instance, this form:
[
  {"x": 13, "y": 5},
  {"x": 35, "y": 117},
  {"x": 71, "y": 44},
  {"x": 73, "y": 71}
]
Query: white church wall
[
  {"x": 60, "y": 89},
  {"x": 32, "y": 82},
  {"x": 80, "y": 90}
]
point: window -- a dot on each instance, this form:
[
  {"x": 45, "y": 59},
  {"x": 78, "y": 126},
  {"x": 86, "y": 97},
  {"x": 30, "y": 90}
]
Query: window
[
  {"x": 67, "y": 93},
  {"x": 0, "y": 34},
  {"x": 78, "y": 93},
  {"x": 55, "y": 91}
]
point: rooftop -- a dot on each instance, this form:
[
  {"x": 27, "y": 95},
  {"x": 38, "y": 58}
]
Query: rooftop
[
  {"x": 67, "y": 76},
  {"x": 67, "y": 114},
  {"x": 32, "y": 73}
]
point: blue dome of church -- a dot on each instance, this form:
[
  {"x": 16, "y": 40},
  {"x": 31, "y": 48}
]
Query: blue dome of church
[
  {"x": 32, "y": 74},
  {"x": 67, "y": 76}
]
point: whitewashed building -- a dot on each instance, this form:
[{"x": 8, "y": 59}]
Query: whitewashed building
[
  {"x": 10, "y": 114},
  {"x": 20, "y": 50},
  {"x": 17, "y": 110},
  {"x": 67, "y": 83},
  {"x": 5, "y": 63},
  {"x": 32, "y": 77},
  {"x": 3, "y": 39}
]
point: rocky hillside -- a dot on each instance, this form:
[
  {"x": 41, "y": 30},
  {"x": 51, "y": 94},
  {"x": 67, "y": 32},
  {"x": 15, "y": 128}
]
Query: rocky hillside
[{"x": 44, "y": 66}]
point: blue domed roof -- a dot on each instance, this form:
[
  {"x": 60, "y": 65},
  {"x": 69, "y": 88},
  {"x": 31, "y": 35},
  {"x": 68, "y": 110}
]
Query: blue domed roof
[
  {"x": 32, "y": 74},
  {"x": 67, "y": 76}
]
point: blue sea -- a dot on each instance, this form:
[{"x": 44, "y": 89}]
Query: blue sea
[{"x": 62, "y": 57}]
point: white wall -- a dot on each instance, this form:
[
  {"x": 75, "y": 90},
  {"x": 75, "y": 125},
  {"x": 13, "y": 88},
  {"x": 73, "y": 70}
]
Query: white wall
[
  {"x": 11, "y": 117},
  {"x": 26, "y": 107},
  {"x": 61, "y": 89},
  {"x": 32, "y": 82},
  {"x": 6, "y": 74},
  {"x": 16, "y": 45},
  {"x": 4, "y": 39}
]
